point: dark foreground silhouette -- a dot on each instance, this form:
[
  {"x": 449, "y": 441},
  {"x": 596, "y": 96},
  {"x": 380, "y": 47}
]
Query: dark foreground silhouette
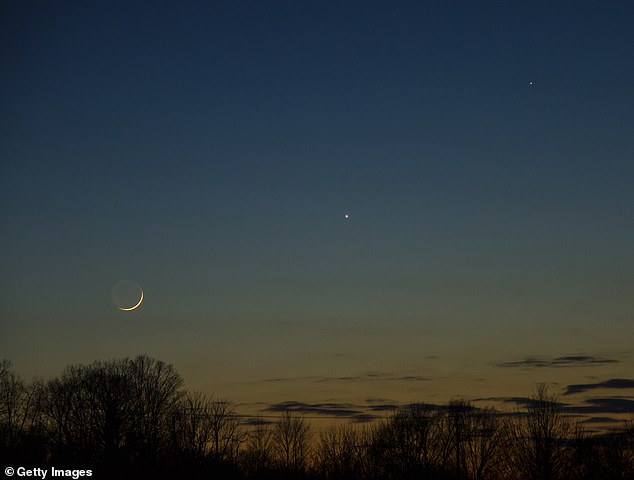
[{"x": 132, "y": 418}]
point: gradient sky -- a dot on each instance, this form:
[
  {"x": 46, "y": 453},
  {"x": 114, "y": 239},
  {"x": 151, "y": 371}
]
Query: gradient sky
[{"x": 210, "y": 151}]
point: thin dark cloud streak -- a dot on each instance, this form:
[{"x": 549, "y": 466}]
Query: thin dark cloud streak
[
  {"x": 524, "y": 402},
  {"x": 349, "y": 411},
  {"x": 616, "y": 383},
  {"x": 601, "y": 420},
  {"x": 256, "y": 422},
  {"x": 331, "y": 409},
  {"x": 591, "y": 406},
  {"x": 387, "y": 407},
  {"x": 604, "y": 405},
  {"x": 367, "y": 377},
  {"x": 558, "y": 362}
]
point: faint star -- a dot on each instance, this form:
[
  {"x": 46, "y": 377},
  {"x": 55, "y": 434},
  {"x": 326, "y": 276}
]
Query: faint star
[{"x": 530, "y": 84}]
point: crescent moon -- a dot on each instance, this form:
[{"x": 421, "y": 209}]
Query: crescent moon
[{"x": 136, "y": 306}]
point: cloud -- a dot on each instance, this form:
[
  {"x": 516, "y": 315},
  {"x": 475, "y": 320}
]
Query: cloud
[
  {"x": 564, "y": 361},
  {"x": 601, "y": 420},
  {"x": 290, "y": 379},
  {"x": 597, "y": 409},
  {"x": 256, "y": 422},
  {"x": 376, "y": 376},
  {"x": 524, "y": 402},
  {"x": 330, "y": 409},
  {"x": 366, "y": 377},
  {"x": 619, "y": 383},
  {"x": 383, "y": 407},
  {"x": 354, "y": 412},
  {"x": 363, "y": 417},
  {"x": 605, "y": 405}
]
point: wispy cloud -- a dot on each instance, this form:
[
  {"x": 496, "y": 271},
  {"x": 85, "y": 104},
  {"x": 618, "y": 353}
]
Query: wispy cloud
[
  {"x": 591, "y": 406},
  {"x": 557, "y": 362},
  {"x": 256, "y": 422},
  {"x": 617, "y": 383},
  {"x": 523, "y": 402},
  {"x": 344, "y": 410},
  {"x": 597, "y": 410},
  {"x": 291, "y": 379},
  {"x": 352, "y": 411},
  {"x": 605, "y": 405},
  {"x": 363, "y": 417},
  {"x": 601, "y": 420},
  {"x": 385, "y": 407},
  {"x": 365, "y": 377}
]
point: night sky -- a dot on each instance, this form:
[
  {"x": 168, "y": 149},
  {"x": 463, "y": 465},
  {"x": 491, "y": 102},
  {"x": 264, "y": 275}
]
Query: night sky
[{"x": 322, "y": 201}]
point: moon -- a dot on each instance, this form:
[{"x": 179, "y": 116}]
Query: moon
[
  {"x": 127, "y": 295},
  {"x": 135, "y": 307}
]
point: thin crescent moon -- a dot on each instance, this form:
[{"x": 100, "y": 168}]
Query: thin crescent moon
[{"x": 136, "y": 306}]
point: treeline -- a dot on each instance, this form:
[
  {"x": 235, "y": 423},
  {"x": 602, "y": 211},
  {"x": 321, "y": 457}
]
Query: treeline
[{"x": 132, "y": 418}]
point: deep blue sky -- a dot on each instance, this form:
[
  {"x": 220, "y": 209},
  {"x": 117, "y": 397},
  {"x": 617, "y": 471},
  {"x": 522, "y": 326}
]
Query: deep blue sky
[{"x": 210, "y": 150}]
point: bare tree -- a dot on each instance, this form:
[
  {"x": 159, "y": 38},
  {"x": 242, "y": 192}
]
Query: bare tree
[
  {"x": 340, "y": 453},
  {"x": 65, "y": 406},
  {"x": 291, "y": 442},
  {"x": 21, "y": 422},
  {"x": 616, "y": 453},
  {"x": 132, "y": 413},
  {"x": 258, "y": 454},
  {"x": 89, "y": 408},
  {"x": 539, "y": 439},
  {"x": 457, "y": 430},
  {"x": 155, "y": 389},
  {"x": 482, "y": 449},
  {"x": 226, "y": 432},
  {"x": 204, "y": 428},
  {"x": 192, "y": 428},
  {"x": 411, "y": 442},
  {"x": 106, "y": 389},
  {"x": 12, "y": 390},
  {"x": 113, "y": 411},
  {"x": 583, "y": 458}
]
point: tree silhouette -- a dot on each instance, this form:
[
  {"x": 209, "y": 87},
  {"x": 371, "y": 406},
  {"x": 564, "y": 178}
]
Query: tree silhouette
[
  {"x": 131, "y": 418},
  {"x": 22, "y": 427},
  {"x": 113, "y": 412},
  {"x": 192, "y": 426},
  {"x": 155, "y": 389},
  {"x": 291, "y": 443},
  {"x": 340, "y": 453},
  {"x": 410, "y": 443},
  {"x": 485, "y": 434},
  {"x": 540, "y": 438},
  {"x": 258, "y": 453}
]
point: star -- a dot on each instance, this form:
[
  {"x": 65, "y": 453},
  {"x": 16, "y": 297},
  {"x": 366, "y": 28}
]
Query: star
[{"x": 531, "y": 84}]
